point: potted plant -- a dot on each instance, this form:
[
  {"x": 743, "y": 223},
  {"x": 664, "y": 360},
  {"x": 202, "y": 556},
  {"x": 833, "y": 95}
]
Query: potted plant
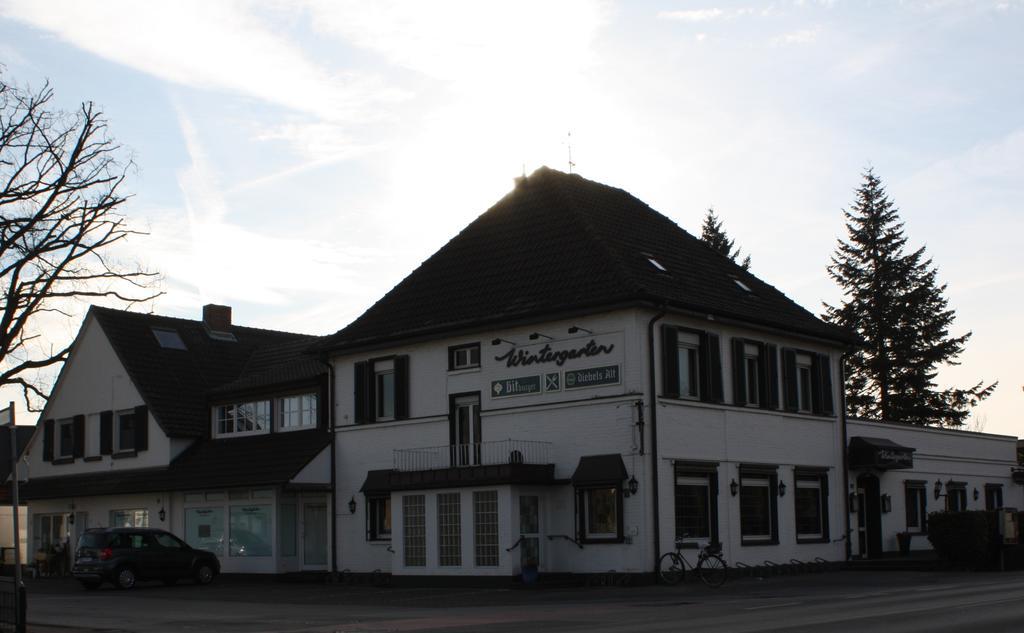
[{"x": 903, "y": 538}]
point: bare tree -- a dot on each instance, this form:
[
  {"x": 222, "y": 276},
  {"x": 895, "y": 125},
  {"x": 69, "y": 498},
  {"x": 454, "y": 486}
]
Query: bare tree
[{"x": 59, "y": 217}]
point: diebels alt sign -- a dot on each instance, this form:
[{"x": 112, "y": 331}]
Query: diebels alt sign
[{"x": 522, "y": 358}]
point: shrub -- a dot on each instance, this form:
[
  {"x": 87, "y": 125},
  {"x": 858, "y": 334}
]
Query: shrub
[{"x": 964, "y": 539}]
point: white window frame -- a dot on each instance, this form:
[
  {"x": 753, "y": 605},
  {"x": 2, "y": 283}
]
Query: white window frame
[
  {"x": 135, "y": 515},
  {"x": 234, "y": 418},
  {"x": 614, "y": 535},
  {"x": 378, "y": 508},
  {"x": 380, "y": 369},
  {"x": 486, "y": 529},
  {"x": 63, "y": 423},
  {"x": 758, "y": 481},
  {"x": 118, "y": 448},
  {"x": 754, "y": 395},
  {"x": 702, "y": 481},
  {"x": 806, "y": 482},
  {"x": 804, "y": 367},
  {"x": 688, "y": 355},
  {"x": 449, "y": 529},
  {"x": 467, "y": 352},
  {"x": 307, "y": 403}
]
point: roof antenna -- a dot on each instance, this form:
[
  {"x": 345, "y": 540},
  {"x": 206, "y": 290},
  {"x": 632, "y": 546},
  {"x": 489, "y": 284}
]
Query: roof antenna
[{"x": 571, "y": 164}]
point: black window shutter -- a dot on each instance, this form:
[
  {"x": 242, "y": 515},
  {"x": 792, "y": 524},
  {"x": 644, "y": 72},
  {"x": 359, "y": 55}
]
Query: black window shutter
[
  {"x": 48, "y": 440},
  {"x": 669, "y": 362},
  {"x": 401, "y": 387},
  {"x": 78, "y": 430},
  {"x": 704, "y": 360},
  {"x": 141, "y": 428},
  {"x": 106, "y": 433},
  {"x": 711, "y": 357},
  {"x": 364, "y": 404},
  {"x": 452, "y": 433},
  {"x": 825, "y": 373},
  {"x": 773, "y": 376},
  {"x": 763, "y": 378},
  {"x": 789, "y": 379},
  {"x": 739, "y": 381}
]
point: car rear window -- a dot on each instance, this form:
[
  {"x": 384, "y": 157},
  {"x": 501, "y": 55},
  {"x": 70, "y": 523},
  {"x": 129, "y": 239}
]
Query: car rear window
[{"x": 92, "y": 540}]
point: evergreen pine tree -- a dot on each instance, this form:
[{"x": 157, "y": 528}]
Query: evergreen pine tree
[
  {"x": 894, "y": 303},
  {"x": 714, "y": 235}
]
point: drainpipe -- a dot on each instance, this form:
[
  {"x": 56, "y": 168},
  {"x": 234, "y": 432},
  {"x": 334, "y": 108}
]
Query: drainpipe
[
  {"x": 334, "y": 469},
  {"x": 845, "y": 457},
  {"x": 652, "y": 384}
]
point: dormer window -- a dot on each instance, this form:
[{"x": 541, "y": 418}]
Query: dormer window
[
  {"x": 245, "y": 418},
  {"x": 297, "y": 412}
]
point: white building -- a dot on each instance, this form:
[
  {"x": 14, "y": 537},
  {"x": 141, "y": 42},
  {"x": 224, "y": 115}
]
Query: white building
[
  {"x": 573, "y": 382},
  {"x": 212, "y": 431}
]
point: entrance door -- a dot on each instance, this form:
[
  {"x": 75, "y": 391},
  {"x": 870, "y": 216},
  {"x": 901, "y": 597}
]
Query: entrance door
[
  {"x": 529, "y": 531},
  {"x": 314, "y": 535},
  {"x": 467, "y": 430},
  {"x": 869, "y": 519}
]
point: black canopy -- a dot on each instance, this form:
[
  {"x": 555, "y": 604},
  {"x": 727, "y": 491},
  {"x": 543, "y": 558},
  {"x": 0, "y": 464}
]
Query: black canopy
[{"x": 879, "y": 453}]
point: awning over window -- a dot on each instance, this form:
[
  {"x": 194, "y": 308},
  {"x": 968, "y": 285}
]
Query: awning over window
[
  {"x": 377, "y": 482},
  {"x": 599, "y": 469},
  {"x": 879, "y": 453}
]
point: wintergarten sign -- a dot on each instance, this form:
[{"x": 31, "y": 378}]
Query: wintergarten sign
[{"x": 521, "y": 358}]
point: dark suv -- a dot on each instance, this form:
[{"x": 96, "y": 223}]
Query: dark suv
[{"x": 124, "y": 556}]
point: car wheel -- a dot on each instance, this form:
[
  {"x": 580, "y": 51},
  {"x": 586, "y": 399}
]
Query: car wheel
[
  {"x": 204, "y": 574},
  {"x": 124, "y": 578},
  {"x": 91, "y": 584}
]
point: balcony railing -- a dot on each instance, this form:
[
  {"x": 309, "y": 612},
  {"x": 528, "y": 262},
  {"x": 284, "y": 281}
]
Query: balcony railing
[{"x": 478, "y": 454}]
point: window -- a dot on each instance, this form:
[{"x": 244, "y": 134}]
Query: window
[
  {"x": 251, "y": 531},
  {"x": 414, "y": 530},
  {"x": 993, "y": 496},
  {"x": 378, "y": 518},
  {"x": 655, "y": 263},
  {"x": 287, "y": 530},
  {"x": 66, "y": 437},
  {"x": 917, "y": 506},
  {"x": 382, "y": 389},
  {"x": 485, "y": 528},
  {"x": 449, "y": 531},
  {"x": 811, "y": 505},
  {"x": 692, "y": 364},
  {"x": 129, "y": 518},
  {"x": 464, "y": 356},
  {"x": 754, "y": 374},
  {"x": 758, "y": 507},
  {"x": 600, "y": 514},
  {"x": 204, "y": 528},
  {"x": 246, "y": 418},
  {"x": 696, "y": 496},
  {"x": 124, "y": 437},
  {"x": 956, "y": 496},
  {"x": 803, "y": 383},
  {"x": 466, "y": 430},
  {"x": 297, "y": 412},
  {"x": 168, "y": 540},
  {"x": 687, "y": 356},
  {"x": 168, "y": 338}
]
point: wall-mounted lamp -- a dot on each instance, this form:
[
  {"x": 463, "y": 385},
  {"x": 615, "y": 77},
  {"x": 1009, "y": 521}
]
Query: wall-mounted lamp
[
  {"x": 976, "y": 494},
  {"x": 71, "y": 519},
  {"x": 854, "y": 503},
  {"x": 886, "y": 503},
  {"x": 352, "y": 505},
  {"x": 938, "y": 488},
  {"x": 782, "y": 489},
  {"x": 632, "y": 485},
  {"x": 574, "y": 329},
  {"x": 537, "y": 335},
  {"x": 162, "y": 514},
  {"x": 499, "y": 341},
  {"x": 734, "y": 487}
]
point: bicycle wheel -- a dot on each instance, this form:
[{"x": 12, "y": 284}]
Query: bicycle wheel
[
  {"x": 670, "y": 568},
  {"x": 712, "y": 570}
]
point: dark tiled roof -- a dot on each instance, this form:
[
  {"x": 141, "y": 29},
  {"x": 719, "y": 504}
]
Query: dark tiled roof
[
  {"x": 259, "y": 460},
  {"x": 175, "y": 383},
  {"x": 561, "y": 243},
  {"x": 280, "y": 364}
]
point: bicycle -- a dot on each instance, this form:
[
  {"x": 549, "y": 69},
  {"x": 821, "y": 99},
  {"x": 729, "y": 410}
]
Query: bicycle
[{"x": 711, "y": 567}]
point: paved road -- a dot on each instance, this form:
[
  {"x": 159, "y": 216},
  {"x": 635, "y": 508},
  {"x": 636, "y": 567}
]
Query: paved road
[{"x": 897, "y": 602}]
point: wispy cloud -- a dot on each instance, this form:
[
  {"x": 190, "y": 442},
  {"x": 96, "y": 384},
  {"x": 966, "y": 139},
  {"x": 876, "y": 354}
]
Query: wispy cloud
[
  {"x": 692, "y": 15},
  {"x": 798, "y": 37}
]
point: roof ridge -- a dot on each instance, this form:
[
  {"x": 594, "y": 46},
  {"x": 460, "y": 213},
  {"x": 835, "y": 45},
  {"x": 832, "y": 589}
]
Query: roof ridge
[
  {"x": 593, "y": 233},
  {"x": 250, "y": 328}
]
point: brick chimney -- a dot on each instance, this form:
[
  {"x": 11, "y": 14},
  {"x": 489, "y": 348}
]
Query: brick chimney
[{"x": 217, "y": 318}]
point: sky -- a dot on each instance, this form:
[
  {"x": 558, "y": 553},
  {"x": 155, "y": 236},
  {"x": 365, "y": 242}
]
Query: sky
[{"x": 297, "y": 159}]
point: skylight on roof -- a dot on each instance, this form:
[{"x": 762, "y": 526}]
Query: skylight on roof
[
  {"x": 742, "y": 285},
  {"x": 656, "y": 264},
  {"x": 168, "y": 339}
]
